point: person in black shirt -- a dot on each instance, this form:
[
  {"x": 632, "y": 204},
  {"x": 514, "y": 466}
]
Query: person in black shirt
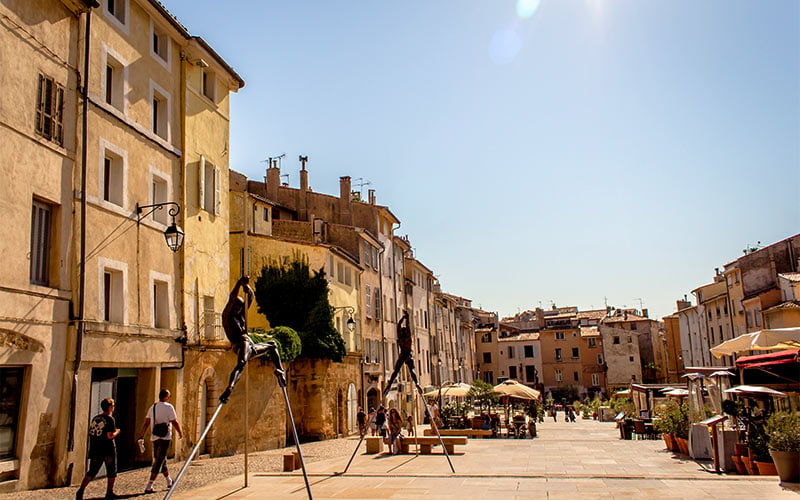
[
  {"x": 102, "y": 450},
  {"x": 235, "y": 326}
]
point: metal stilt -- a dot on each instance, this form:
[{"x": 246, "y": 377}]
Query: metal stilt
[{"x": 271, "y": 349}]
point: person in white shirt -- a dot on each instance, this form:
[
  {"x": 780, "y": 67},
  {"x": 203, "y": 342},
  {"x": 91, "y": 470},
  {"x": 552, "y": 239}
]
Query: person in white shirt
[{"x": 163, "y": 418}]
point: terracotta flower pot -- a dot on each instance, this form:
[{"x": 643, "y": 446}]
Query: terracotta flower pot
[
  {"x": 683, "y": 445},
  {"x": 766, "y": 469},
  {"x": 668, "y": 441},
  {"x": 740, "y": 449},
  {"x": 739, "y": 463},
  {"x": 750, "y": 465},
  {"x": 787, "y": 464}
]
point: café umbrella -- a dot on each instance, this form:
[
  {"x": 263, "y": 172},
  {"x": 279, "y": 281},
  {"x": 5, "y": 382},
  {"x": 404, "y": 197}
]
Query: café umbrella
[
  {"x": 515, "y": 390},
  {"x": 762, "y": 340},
  {"x": 455, "y": 390}
]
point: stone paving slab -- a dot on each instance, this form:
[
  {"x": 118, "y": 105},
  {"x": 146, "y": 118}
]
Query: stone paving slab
[{"x": 584, "y": 459}]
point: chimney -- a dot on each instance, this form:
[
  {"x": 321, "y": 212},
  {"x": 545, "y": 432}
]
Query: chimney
[
  {"x": 683, "y": 304},
  {"x": 345, "y": 216},
  {"x": 371, "y": 196},
  {"x": 539, "y": 317},
  {"x": 273, "y": 180},
  {"x": 303, "y": 193}
]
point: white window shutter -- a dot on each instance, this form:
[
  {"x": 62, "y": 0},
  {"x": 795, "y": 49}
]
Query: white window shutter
[
  {"x": 201, "y": 182},
  {"x": 217, "y": 200}
]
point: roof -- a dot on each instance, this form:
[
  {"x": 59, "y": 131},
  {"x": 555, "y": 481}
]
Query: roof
[
  {"x": 589, "y": 331},
  {"x": 789, "y": 304},
  {"x": 592, "y": 314},
  {"x": 793, "y": 277},
  {"x": 520, "y": 338},
  {"x": 185, "y": 33},
  {"x": 623, "y": 318}
]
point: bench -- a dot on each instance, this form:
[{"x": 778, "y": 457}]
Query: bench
[
  {"x": 427, "y": 443},
  {"x": 473, "y": 433}
]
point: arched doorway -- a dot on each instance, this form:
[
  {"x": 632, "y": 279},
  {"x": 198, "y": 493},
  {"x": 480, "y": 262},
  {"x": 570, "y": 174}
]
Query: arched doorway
[
  {"x": 352, "y": 408},
  {"x": 372, "y": 398}
]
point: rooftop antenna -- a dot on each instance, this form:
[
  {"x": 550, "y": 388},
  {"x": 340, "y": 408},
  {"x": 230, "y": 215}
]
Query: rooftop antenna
[
  {"x": 360, "y": 183},
  {"x": 605, "y": 301},
  {"x": 641, "y": 304}
]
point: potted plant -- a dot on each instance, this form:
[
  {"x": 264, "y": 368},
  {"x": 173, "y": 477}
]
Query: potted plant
[
  {"x": 665, "y": 424},
  {"x": 759, "y": 452},
  {"x": 783, "y": 431}
]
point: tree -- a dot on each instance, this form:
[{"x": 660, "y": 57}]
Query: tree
[
  {"x": 482, "y": 392},
  {"x": 290, "y": 294}
]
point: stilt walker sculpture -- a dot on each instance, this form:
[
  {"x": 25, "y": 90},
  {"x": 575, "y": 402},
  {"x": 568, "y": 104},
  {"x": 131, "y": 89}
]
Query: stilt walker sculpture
[
  {"x": 234, "y": 323},
  {"x": 405, "y": 343}
]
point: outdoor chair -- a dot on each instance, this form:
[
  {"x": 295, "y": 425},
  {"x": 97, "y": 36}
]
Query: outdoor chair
[{"x": 639, "y": 429}]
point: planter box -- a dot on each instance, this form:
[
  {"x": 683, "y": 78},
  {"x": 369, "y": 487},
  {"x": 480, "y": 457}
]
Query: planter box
[
  {"x": 750, "y": 466},
  {"x": 788, "y": 465},
  {"x": 766, "y": 469},
  {"x": 739, "y": 463},
  {"x": 683, "y": 445}
]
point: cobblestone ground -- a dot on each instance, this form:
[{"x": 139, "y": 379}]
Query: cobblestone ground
[{"x": 201, "y": 473}]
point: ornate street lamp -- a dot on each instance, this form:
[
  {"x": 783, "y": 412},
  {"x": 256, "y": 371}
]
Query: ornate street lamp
[{"x": 173, "y": 234}]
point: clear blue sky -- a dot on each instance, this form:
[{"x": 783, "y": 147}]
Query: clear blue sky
[{"x": 562, "y": 150}]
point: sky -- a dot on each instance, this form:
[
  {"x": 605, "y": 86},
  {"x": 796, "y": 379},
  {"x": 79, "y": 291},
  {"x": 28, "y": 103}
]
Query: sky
[{"x": 568, "y": 152}]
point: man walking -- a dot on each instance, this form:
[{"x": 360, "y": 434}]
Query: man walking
[
  {"x": 163, "y": 418},
  {"x": 102, "y": 449}
]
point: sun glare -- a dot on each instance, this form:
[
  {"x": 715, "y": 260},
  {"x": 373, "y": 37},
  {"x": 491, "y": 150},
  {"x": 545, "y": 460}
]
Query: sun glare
[{"x": 527, "y": 8}]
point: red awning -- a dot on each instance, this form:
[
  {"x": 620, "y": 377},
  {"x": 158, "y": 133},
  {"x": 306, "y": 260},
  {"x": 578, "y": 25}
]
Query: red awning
[{"x": 773, "y": 358}]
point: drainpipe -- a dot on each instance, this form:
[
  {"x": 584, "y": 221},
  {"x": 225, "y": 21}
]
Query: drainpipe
[
  {"x": 82, "y": 272},
  {"x": 383, "y": 332}
]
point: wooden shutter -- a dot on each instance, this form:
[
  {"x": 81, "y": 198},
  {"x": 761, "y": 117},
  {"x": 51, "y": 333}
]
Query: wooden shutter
[
  {"x": 201, "y": 182},
  {"x": 217, "y": 191}
]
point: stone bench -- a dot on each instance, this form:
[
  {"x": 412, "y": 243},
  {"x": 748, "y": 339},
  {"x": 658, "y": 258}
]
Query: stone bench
[
  {"x": 427, "y": 443},
  {"x": 473, "y": 433}
]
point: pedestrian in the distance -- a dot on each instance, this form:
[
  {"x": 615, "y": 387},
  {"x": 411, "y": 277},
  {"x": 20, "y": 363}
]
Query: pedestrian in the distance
[
  {"x": 410, "y": 428},
  {"x": 380, "y": 420},
  {"x": 395, "y": 428},
  {"x": 361, "y": 418},
  {"x": 102, "y": 449},
  {"x": 372, "y": 419},
  {"x": 163, "y": 418}
]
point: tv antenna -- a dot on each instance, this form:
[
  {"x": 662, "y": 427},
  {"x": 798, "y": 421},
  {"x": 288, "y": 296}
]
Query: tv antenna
[
  {"x": 360, "y": 183},
  {"x": 276, "y": 159},
  {"x": 641, "y": 304}
]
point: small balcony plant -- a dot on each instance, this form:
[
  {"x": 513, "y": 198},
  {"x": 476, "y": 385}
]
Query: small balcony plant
[{"x": 783, "y": 441}]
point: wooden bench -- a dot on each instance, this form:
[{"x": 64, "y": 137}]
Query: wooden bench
[
  {"x": 473, "y": 433},
  {"x": 427, "y": 443}
]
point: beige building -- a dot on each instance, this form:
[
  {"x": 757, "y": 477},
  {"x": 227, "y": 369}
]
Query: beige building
[
  {"x": 125, "y": 143},
  {"x": 713, "y": 300},
  {"x": 41, "y": 147}
]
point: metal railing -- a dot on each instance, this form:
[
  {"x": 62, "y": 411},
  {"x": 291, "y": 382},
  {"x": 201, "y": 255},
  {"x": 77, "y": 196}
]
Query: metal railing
[{"x": 211, "y": 327}]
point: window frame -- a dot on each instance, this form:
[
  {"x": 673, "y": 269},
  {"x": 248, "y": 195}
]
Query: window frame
[
  {"x": 113, "y": 16},
  {"x": 121, "y": 188},
  {"x": 156, "y": 31},
  {"x": 41, "y": 241},
  {"x": 49, "y": 122},
  {"x": 7, "y": 372},
  {"x": 120, "y": 315}
]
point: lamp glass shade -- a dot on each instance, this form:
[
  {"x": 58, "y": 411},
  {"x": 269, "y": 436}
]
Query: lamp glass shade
[
  {"x": 351, "y": 324},
  {"x": 174, "y": 236}
]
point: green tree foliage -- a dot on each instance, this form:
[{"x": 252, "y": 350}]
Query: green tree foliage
[
  {"x": 481, "y": 392},
  {"x": 292, "y": 295},
  {"x": 289, "y": 345}
]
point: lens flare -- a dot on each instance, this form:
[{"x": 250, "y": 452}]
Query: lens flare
[
  {"x": 526, "y": 8},
  {"x": 504, "y": 46}
]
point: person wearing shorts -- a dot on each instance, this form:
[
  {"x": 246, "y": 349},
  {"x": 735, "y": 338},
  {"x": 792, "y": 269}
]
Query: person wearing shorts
[{"x": 102, "y": 449}]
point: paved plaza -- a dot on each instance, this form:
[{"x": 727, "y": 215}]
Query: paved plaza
[{"x": 585, "y": 459}]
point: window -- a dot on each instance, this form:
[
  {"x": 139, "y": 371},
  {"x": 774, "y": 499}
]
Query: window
[
  {"x": 209, "y": 187},
  {"x": 599, "y": 359},
  {"x": 575, "y": 376},
  {"x": 118, "y": 9},
  {"x": 616, "y": 339},
  {"x": 592, "y": 343},
  {"x": 630, "y": 339},
  {"x": 209, "y": 84},
  {"x": 161, "y": 44},
  {"x": 633, "y": 326},
  {"x": 558, "y": 354},
  {"x": 511, "y": 352},
  {"x": 377, "y": 299},
  {"x": 559, "y": 376},
  {"x": 10, "y": 403},
  {"x": 368, "y": 300},
  {"x": 112, "y": 295},
  {"x": 50, "y": 110},
  {"x": 559, "y": 335},
  {"x": 367, "y": 255},
  {"x": 595, "y": 379},
  {"x": 340, "y": 272},
  {"x": 160, "y": 111},
  {"x": 160, "y": 304},
  {"x": 487, "y": 357},
  {"x": 114, "y": 82},
  {"x": 158, "y": 194},
  {"x": 348, "y": 276},
  {"x": 575, "y": 353},
  {"x": 528, "y": 351},
  {"x": 630, "y": 358},
  {"x": 512, "y": 372},
  {"x": 530, "y": 373},
  {"x": 112, "y": 178},
  {"x": 41, "y": 241}
]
